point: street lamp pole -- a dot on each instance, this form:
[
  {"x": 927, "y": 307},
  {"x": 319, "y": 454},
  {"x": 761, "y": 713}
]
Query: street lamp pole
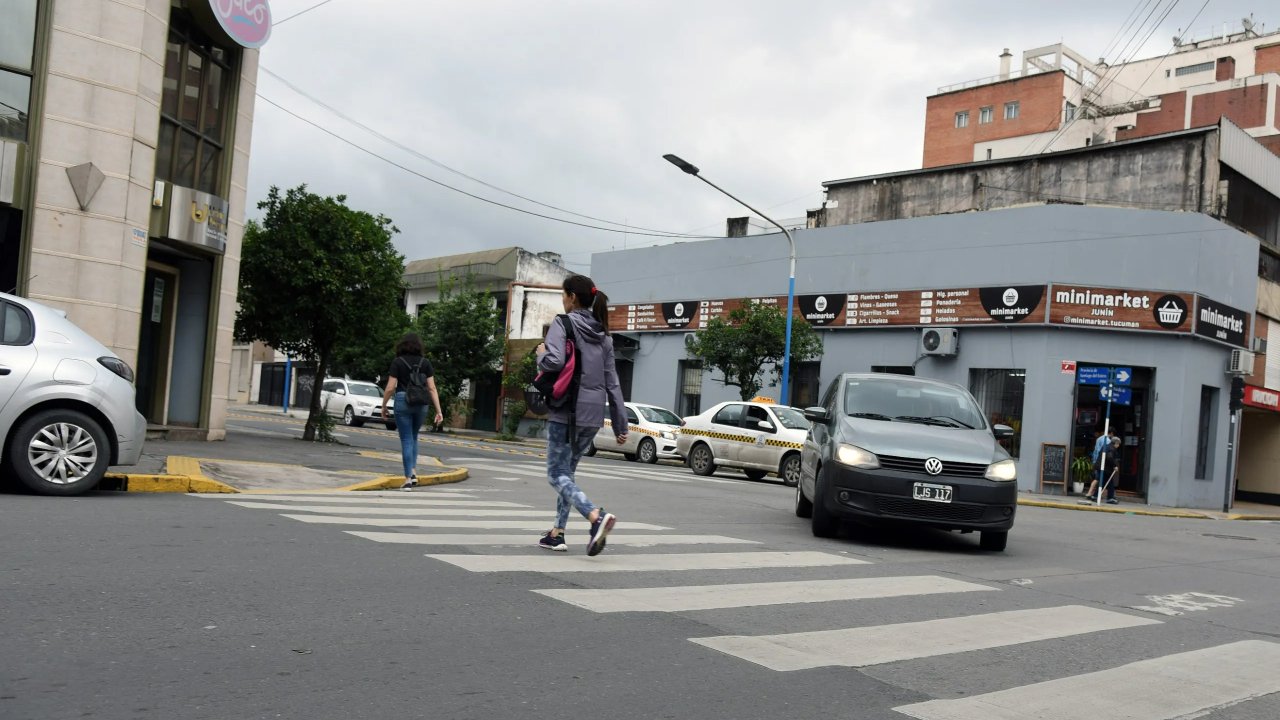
[{"x": 791, "y": 284}]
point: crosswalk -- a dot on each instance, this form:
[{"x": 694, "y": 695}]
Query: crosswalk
[
  {"x": 475, "y": 531},
  {"x": 504, "y": 469}
]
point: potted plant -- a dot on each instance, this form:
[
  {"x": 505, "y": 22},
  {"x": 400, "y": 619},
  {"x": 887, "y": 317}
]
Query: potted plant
[{"x": 1081, "y": 471}]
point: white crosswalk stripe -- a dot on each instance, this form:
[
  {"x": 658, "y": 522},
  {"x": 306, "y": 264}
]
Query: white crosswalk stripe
[
  {"x": 477, "y": 539},
  {"x": 640, "y": 563},
  {"x": 354, "y": 499},
  {"x": 420, "y": 522},
  {"x": 376, "y": 510},
  {"x": 1183, "y": 685},
  {"x": 875, "y": 645},
  {"x": 715, "y": 597}
]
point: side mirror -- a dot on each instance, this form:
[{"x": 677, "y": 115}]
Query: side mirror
[
  {"x": 765, "y": 425},
  {"x": 1002, "y": 431},
  {"x": 817, "y": 414},
  {"x": 341, "y": 391}
]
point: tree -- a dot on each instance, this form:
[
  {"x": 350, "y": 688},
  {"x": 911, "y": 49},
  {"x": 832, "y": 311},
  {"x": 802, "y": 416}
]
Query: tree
[
  {"x": 754, "y": 336},
  {"x": 368, "y": 354},
  {"x": 315, "y": 276},
  {"x": 463, "y": 335}
]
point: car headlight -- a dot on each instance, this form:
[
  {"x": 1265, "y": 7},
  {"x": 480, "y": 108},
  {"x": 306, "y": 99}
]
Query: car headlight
[
  {"x": 117, "y": 366},
  {"x": 668, "y": 435},
  {"x": 1003, "y": 471},
  {"x": 854, "y": 456}
]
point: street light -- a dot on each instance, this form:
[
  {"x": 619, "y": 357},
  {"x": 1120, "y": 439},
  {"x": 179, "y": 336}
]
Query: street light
[{"x": 791, "y": 285}]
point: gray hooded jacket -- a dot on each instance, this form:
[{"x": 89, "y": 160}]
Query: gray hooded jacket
[{"x": 598, "y": 380}]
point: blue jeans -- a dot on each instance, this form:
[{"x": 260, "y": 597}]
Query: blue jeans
[
  {"x": 562, "y": 461},
  {"x": 409, "y": 421}
]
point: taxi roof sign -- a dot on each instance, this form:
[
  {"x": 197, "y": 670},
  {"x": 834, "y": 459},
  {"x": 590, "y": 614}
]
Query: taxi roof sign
[{"x": 763, "y": 399}]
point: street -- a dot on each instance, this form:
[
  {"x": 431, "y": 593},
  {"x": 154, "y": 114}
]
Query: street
[{"x": 437, "y": 604}]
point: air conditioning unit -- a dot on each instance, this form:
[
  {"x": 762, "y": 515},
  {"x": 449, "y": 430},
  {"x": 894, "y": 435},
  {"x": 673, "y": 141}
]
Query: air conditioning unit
[
  {"x": 939, "y": 341},
  {"x": 1260, "y": 345},
  {"x": 1241, "y": 363}
]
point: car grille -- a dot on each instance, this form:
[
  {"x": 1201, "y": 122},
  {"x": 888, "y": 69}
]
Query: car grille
[
  {"x": 916, "y": 465},
  {"x": 927, "y": 510}
]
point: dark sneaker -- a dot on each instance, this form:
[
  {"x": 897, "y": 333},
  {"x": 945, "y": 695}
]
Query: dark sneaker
[
  {"x": 409, "y": 484},
  {"x": 1113, "y": 501},
  {"x": 599, "y": 531},
  {"x": 556, "y": 543}
]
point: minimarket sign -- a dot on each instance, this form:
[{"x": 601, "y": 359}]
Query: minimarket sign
[{"x": 1055, "y": 304}]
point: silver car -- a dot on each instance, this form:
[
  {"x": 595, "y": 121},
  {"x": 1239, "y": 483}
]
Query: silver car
[
  {"x": 66, "y": 402},
  {"x": 356, "y": 402}
]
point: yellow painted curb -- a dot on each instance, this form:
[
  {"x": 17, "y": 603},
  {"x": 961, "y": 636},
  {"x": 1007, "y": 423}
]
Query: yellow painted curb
[
  {"x": 169, "y": 484},
  {"x": 393, "y": 482},
  {"x": 1114, "y": 509},
  {"x": 1254, "y": 517}
]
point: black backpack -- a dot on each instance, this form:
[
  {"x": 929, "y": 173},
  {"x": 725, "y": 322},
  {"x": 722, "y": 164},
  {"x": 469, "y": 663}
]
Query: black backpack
[{"x": 415, "y": 390}]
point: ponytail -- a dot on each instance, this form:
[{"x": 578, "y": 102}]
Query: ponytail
[{"x": 588, "y": 296}]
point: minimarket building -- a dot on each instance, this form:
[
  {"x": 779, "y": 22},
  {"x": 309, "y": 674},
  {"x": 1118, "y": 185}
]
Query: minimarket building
[{"x": 1027, "y": 307}]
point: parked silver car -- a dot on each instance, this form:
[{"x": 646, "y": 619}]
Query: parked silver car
[
  {"x": 356, "y": 402},
  {"x": 66, "y": 402}
]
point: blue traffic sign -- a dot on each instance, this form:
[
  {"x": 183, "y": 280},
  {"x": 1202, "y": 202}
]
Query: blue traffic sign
[
  {"x": 1117, "y": 395},
  {"x": 1122, "y": 375},
  {"x": 1090, "y": 375}
]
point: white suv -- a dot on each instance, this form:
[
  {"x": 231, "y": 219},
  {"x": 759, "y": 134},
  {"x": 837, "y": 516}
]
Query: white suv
[
  {"x": 66, "y": 402},
  {"x": 355, "y": 401}
]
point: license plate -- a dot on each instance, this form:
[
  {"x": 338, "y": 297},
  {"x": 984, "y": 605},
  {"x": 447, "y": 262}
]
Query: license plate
[{"x": 931, "y": 493}]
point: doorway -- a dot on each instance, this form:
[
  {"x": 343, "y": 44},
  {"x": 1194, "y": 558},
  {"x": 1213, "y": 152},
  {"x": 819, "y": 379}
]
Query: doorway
[
  {"x": 155, "y": 341},
  {"x": 1131, "y": 421}
]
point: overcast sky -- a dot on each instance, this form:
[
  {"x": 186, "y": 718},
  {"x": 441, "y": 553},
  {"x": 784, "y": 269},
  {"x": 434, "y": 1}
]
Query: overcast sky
[{"x": 572, "y": 103}]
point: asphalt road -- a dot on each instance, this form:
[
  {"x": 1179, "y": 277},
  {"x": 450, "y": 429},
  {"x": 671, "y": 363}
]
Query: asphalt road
[{"x": 135, "y": 606}]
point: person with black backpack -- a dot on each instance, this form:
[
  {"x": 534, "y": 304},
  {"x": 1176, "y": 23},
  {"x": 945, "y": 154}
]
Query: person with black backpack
[
  {"x": 411, "y": 381},
  {"x": 578, "y": 345}
]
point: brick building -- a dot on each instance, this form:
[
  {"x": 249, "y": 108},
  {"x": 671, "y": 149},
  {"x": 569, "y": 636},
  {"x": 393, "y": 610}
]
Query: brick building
[{"x": 1059, "y": 100}]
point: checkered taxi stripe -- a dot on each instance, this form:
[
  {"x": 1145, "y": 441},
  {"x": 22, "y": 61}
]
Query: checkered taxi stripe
[
  {"x": 634, "y": 429},
  {"x": 731, "y": 437}
]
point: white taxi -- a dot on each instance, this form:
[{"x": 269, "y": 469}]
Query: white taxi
[
  {"x": 651, "y": 434},
  {"x": 758, "y": 436}
]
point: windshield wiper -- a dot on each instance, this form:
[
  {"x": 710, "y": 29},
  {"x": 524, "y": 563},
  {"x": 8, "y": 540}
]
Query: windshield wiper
[
  {"x": 871, "y": 416},
  {"x": 940, "y": 420},
  {"x": 961, "y": 423}
]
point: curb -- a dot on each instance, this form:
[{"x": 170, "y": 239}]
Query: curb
[
  {"x": 393, "y": 482},
  {"x": 1122, "y": 511}
]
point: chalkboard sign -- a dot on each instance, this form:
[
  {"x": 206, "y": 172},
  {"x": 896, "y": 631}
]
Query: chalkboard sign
[{"x": 1053, "y": 465}]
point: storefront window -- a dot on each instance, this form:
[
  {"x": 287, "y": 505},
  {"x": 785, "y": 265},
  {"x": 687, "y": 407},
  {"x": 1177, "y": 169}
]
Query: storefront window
[
  {"x": 690, "y": 401},
  {"x": 17, "y": 53},
  {"x": 1000, "y": 393},
  {"x": 192, "y": 124}
]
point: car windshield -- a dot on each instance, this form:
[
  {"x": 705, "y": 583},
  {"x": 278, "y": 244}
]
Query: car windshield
[
  {"x": 898, "y": 400},
  {"x": 365, "y": 390},
  {"x": 790, "y": 418},
  {"x": 658, "y": 415}
]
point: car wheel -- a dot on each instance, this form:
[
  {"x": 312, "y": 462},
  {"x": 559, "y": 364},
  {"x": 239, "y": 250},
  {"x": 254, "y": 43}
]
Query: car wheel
[
  {"x": 349, "y": 418},
  {"x": 789, "y": 471},
  {"x": 804, "y": 508},
  {"x": 994, "y": 540},
  {"x": 825, "y": 525},
  {"x": 647, "y": 452},
  {"x": 755, "y": 474},
  {"x": 60, "y": 452},
  {"x": 701, "y": 461},
  {"x": 591, "y": 449}
]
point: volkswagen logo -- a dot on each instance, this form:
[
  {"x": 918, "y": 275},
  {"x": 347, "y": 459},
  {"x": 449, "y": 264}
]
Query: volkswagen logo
[{"x": 933, "y": 466}]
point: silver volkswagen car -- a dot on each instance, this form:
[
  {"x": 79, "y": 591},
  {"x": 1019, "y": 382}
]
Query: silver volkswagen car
[{"x": 66, "y": 402}]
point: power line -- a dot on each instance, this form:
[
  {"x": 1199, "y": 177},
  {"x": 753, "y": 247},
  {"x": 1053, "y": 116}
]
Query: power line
[
  {"x": 432, "y": 180},
  {"x": 422, "y": 156},
  {"x": 277, "y": 23}
]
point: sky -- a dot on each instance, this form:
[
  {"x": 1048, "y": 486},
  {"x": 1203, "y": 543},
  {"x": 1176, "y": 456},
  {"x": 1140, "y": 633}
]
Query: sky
[{"x": 573, "y": 103}]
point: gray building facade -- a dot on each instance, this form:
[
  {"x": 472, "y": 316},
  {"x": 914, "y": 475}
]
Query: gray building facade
[{"x": 1176, "y": 424}]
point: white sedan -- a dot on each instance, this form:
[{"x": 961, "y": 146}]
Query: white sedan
[
  {"x": 758, "y": 437},
  {"x": 355, "y": 402},
  {"x": 651, "y": 434}
]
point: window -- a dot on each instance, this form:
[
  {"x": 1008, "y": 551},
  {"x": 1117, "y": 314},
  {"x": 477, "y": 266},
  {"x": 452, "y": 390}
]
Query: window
[
  {"x": 894, "y": 369},
  {"x": 1001, "y": 393},
  {"x": 890, "y": 398},
  {"x": 659, "y": 415},
  {"x": 690, "y": 400},
  {"x": 1070, "y": 113},
  {"x": 988, "y": 153},
  {"x": 985, "y": 115},
  {"x": 17, "y": 51},
  {"x": 756, "y": 415},
  {"x": 1011, "y": 110},
  {"x": 193, "y": 109},
  {"x": 15, "y": 326},
  {"x": 729, "y": 415},
  {"x": 631, "y": 417},
  {"x": 962, "y": 119},
  {"x": 1193, "y": 69},
  {"x": 1208, "y": 418}
]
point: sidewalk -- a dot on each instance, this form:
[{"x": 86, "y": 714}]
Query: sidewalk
[
  {"x": 1239, "y": 510},
  {"x": 269, "y": 462}
]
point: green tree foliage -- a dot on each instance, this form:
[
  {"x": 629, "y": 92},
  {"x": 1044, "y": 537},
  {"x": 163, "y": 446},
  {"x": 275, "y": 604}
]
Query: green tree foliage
[
  {"x": 315, "y": 276},
  {"x": 463, "y": 335},
  {"x": 368, "y": 354},
  {"x": 753, "y": 337}
]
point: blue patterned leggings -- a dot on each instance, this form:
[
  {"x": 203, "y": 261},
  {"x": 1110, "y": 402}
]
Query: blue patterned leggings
[{"x": 562, "y": 461}]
